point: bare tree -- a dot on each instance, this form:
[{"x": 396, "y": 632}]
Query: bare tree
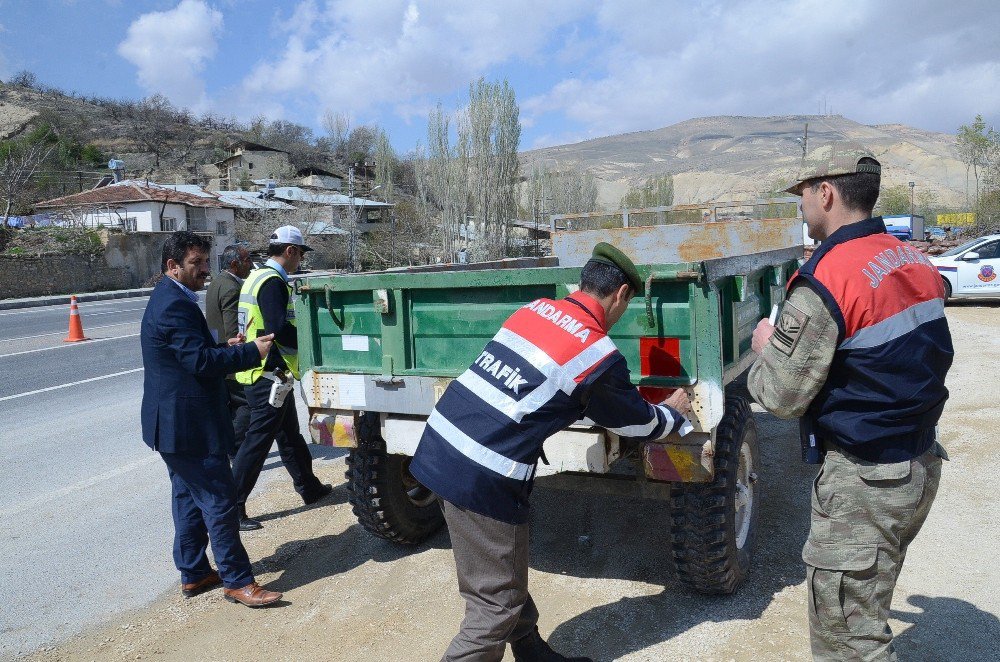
[
  {"x": 151, "y": 125},
  {"x": 338, "y": 128},
  {"x": 491, "y": 132},
  {"x": 442, "y": 180},
  {"x": 566, "y": 191},
  {"x": 19, "y": 162},
  {"x": 385, "y": 164}
]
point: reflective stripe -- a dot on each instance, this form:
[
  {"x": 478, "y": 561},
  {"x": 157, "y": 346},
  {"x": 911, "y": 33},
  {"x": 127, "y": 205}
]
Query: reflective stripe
[
  {"x": 896, "y": 326},
  {"x": 557, "y": 377},
  {"x": 248, "y": 298},
  {"x": 475, "y": 451},
  {"x": 643, "y": 430}
]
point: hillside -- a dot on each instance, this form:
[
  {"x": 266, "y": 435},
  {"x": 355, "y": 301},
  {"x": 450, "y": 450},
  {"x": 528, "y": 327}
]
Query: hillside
[
  {"x": 736, "y": 158},
  {"x": 711, "y": 158}
]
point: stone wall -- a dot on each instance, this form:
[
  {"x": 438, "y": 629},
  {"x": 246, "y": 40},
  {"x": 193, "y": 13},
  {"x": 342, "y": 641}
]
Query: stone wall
[
  {"x": 129, "y": 261},
  {"x": 59, "y": 274}
]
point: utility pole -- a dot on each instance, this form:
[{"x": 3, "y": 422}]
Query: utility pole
[{"x": 912, "y": 184}]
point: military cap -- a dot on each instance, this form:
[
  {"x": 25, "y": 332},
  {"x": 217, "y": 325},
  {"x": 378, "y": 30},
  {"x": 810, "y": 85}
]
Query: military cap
[
  {"x": 605, "y": 253},
  {"x": 830, "y": 160}
]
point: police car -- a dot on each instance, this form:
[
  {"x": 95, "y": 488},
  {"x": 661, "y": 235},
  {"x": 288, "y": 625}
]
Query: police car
[{"x": 970, "y": 270}]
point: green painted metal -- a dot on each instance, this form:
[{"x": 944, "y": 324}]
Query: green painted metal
[{"x": 435, "y": 323}]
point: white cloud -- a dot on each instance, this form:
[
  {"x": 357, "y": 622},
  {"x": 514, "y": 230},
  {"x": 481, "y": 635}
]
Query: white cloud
[
  {"x": 921, "y": 63},
  {"x": 170, "y": 49},
  {"x": 356, "y": 55}
]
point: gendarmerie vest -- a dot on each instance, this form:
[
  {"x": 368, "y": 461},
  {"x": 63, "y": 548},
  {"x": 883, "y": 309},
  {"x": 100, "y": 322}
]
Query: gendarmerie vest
[
  {"x": 550, "y": 365},
  {"x": 885, "y": 390}
]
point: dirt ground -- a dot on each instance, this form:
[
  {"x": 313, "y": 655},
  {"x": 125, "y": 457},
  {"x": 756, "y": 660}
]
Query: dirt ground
[{"x": 600, "y": 570}]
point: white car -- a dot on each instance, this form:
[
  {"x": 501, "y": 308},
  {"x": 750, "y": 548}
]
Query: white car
[{"x": 971, "y": 270}]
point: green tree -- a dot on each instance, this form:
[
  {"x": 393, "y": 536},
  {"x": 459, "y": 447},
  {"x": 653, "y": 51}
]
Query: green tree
[
  {"x": 975, "y": 147},
  {"x": 654, "y": 192}
]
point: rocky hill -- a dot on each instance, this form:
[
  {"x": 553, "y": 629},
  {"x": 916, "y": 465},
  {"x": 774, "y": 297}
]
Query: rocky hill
[
  {"x": 711, "y": 158},
  {"x": 738, "y": 158}
]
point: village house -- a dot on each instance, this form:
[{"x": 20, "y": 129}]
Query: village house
[
  {"x": 247, "y": 162},
  {"x": 137, "y": 206}
]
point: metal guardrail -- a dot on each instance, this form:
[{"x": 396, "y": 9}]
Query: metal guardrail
[{"x": 760, "y": 208}]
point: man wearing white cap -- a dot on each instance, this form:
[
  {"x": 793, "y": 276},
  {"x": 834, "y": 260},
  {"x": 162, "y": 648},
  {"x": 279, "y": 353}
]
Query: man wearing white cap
[{"x": 265, "y": 307}]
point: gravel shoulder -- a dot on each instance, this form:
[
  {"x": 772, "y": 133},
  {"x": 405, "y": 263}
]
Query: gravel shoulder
[{"x": 600, "y": 567}]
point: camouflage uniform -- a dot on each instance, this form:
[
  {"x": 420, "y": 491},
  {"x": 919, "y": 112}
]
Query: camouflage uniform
[{"x": 864, "y": 515}]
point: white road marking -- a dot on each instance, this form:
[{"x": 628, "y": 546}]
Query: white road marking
[
  {"x": 59, "y": 333},
  {"x": 83, "y": 305},
  {"x": 69, "y": 344},
  {"x": 82, "y": 381},
  {"x": 77, "y": 487}
]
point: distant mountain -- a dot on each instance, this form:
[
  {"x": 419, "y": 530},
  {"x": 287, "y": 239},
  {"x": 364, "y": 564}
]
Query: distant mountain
[{"x": 738, "y": 158}]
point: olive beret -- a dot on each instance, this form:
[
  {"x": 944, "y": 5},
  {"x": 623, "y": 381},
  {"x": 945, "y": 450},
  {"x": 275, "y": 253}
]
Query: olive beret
[{"x": 605, "y": 253}]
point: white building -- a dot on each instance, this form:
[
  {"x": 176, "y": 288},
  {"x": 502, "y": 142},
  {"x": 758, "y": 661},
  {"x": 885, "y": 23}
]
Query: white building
[{"x": 137, "y": 206}]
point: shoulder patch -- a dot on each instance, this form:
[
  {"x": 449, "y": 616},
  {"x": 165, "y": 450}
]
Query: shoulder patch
[{"x": 789, "y": 329}]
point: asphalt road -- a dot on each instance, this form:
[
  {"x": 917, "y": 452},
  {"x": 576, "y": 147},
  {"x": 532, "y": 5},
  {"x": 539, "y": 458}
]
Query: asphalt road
[{"x": 84, "y": 504}]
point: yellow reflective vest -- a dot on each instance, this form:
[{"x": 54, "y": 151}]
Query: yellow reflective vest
[{"x": 251, "y": 322}]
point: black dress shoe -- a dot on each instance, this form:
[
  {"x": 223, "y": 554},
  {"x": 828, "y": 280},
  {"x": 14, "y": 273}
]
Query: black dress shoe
[
  {"x": 250, "y": 524},
  {"x": 247, "y": 523},
  {"x": 318, "y": 494},
  {"x": 533, "y": 648}
]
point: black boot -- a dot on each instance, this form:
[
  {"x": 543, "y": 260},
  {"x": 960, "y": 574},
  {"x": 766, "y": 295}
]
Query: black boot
[
  {"x": 247, "y": 523},
  {"x": 532, "y": 648}
]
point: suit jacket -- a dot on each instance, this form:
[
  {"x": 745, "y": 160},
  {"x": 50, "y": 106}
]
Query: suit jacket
[
  {"x": 184, "y": 400},
  {"x": 221, "y": 305}
]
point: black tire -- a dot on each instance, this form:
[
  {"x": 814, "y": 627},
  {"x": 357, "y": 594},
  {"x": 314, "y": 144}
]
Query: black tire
[
  {"x": 947, "y": 289},
  {"x": 385, "y": 498},
  {"x": 712, "y": 535}
]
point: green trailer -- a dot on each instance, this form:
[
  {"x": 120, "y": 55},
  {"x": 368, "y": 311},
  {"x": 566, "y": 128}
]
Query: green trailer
[{"x": 378, "y": 349}]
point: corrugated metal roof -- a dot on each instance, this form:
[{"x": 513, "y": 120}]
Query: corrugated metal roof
[
  {"x": 131, "y": 190},
  {"x": 252, "y": 200},
  {"x": 297, "y": 194}
]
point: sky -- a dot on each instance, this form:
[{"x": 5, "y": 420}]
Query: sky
[{"x": 579, "y": 69}]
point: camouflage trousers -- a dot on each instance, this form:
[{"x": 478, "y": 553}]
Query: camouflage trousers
[{"x": 864, "y": 516}]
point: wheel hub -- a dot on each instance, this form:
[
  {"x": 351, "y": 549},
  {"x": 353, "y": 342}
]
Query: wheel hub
[{"x": 745, "y": 478}]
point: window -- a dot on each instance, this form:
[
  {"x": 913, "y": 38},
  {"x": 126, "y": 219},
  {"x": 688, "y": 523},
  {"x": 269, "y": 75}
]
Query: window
[
  {"x": 250, "y": 165},
  {"x": 195, "y": 217},
  {"x": 988, "y": 251},
  {"x": 168, "y": 224},
  {"x": 222, "y": 228},
  {"x": 129, "y": 224}
]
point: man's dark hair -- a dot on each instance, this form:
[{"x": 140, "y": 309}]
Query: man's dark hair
[
  {"x": 601, "y": 279},
  {"x": 859, "y": 190},
  {"x": 177, "y": 245},
  {"x": 230, "y": 254},
  {"x": 274, "y": 250}
]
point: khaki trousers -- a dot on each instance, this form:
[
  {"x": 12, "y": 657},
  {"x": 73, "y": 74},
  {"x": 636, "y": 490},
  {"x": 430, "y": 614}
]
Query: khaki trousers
[{"x": 864, "y": 516}]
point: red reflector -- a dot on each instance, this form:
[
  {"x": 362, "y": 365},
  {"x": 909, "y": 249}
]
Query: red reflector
[{"x": 660, "y": 357}]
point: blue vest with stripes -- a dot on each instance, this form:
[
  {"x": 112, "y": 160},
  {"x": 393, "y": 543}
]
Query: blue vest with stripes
[
  {"x": 550, "y": 365},
  {"x": 885, "y": 390}
]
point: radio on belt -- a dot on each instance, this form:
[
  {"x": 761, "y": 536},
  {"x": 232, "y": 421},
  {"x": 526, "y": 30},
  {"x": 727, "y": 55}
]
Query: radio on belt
[{"x": 280, "y": 389}]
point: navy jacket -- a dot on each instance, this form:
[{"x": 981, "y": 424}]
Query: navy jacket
[
  {"x": 184, "y": 402},
  {"x": 551, "y": 364}
]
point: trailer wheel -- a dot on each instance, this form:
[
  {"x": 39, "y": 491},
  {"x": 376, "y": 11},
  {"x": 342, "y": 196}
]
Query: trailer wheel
[
  {"x": 385, "y": 498},
  {"x": 714, "y": 525}
]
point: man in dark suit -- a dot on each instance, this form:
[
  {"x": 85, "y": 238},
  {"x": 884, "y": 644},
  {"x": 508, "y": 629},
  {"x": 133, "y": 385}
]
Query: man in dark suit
[
  {"x": 185, "y": 418},
  {"x": 221, "y": 302}
]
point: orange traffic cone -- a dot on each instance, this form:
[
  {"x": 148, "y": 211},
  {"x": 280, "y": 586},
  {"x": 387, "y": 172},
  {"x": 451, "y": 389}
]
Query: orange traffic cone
[{"x": 75, "y": 324}]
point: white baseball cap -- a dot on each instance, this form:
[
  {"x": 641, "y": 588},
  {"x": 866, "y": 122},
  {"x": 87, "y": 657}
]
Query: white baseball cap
[{"x": 289, "y": 234}]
